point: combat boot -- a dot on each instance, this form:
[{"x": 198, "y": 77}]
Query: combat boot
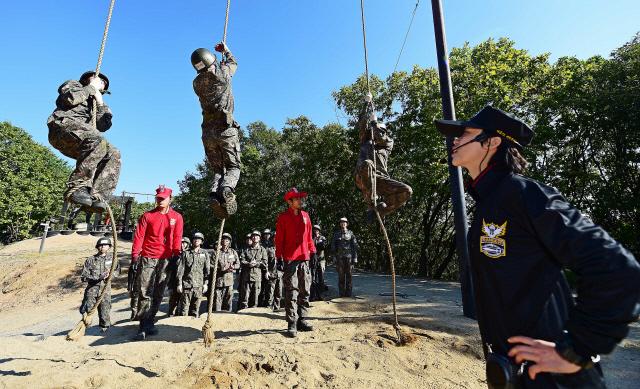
[
  {"x": 292, "y": 331},
  {"x": 98, "y": 206},
  {"x": 304, "y": 326},
  {"x": 81, "y": 197},
  {"x": 217, "y": 206},
  {"x": 230, "y": 204}
]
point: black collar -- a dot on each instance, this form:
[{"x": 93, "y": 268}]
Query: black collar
[{"x": 486, "y": 182}]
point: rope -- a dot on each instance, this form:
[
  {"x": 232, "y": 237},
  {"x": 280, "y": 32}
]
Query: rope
[
  {"x": 100, "y": 55},
  {"x": 364, "y": 43},
  {"x": 402, "y": 339},
  {"x": 226, "y": 22},
  {"x": 207, "y": 330},
  {"x": 413, "y": 15},
  {"x": 78, "y": 331}
]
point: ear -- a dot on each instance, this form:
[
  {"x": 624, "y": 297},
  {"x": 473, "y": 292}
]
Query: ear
[{"x": 494, "y": 142}]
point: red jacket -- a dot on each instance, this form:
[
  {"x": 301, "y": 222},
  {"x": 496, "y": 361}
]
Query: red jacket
[
  {"x": 293, "y": 236},
  {"x": 157, "y": 235}
]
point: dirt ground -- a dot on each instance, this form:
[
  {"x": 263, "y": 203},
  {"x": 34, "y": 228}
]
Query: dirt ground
[{"x": 352, "y": 346}]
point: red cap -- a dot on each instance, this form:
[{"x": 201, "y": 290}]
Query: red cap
[
  {"x": 163, "y": 192},
  {"x": 294, "y": 193}
]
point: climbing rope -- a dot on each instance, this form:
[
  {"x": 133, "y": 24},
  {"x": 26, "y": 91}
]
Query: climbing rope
[
  {"x": 413, "y": 15},
  {"x": 226, "y": 22},
  {"x": 78, "y": 331},
  {"x": 207, "y": 329},
  {"x": 402, "y": 338},
  {"x": 100, "y": 55}
]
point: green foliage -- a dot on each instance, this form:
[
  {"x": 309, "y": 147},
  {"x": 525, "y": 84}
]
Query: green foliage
[{"x": 32, "y": 181}]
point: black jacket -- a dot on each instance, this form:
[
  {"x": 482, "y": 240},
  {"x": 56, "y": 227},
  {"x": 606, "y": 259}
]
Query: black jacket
[{"x": 523, "y": 234}]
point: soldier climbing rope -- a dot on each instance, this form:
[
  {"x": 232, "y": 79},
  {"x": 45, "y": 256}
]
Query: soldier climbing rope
[{"x": 373, "y": 199}]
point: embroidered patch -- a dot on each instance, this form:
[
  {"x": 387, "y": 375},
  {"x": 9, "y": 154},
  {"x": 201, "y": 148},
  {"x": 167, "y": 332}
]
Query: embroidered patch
[
  {"x": 491, "y": 244},
  {"x": 172, "y": 222}
]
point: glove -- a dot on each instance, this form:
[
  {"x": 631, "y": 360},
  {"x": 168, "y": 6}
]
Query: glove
[
  {"x": 205, "y": 288},
  {"x": 221, "y": 47},
  {"x": 179, "y": 288}
]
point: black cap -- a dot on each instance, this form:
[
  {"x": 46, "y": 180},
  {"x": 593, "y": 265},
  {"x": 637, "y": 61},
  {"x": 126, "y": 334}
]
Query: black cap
[{"x": 493, "y": 121}]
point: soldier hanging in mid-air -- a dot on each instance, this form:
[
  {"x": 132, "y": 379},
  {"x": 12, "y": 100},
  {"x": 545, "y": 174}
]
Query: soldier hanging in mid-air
[
  {"x": 72, "y": 133},
  {"x": 376, "y": 142},
  {"x": 219, "y": 129}
]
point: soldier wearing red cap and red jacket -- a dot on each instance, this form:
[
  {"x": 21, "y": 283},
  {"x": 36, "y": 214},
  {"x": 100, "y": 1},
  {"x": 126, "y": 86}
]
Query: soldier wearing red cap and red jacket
[
  {"x": 157, "y": 238},
  {"x": 294, "y": 245}
]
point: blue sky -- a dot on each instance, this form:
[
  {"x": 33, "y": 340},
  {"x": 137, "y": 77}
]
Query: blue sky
[{"x": 292, "y": 54}]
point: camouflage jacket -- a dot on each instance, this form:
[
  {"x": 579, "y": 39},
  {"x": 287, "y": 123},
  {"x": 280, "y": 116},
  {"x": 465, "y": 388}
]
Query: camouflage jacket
[
  {"x": 229, "y": 262},
  {"x": 193, "y": 268},
  {"x": 75, "y": 103},
  {"x": 272, "y": 262},
  {"x": 382, "y": 142},
  {"x": 213, "y": 88},
  {"x": 321, "y": 246},
  {"x": 253, "y": 260},
  {"x": 95, "y": 267},
  {"x": 344, "y": 244}
]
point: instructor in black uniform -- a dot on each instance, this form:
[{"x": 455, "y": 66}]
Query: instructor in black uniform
[{"x": 524, "y": 233}]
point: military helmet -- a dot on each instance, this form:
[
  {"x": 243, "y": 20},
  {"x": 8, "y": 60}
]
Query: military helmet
[
  {"x": 86, "y": 76},
  {"x": 256, "y": 232},
  {"x": 198, "y": 235},
  {"x": 266, "y": 231},
  {"x": 202, "y": 59},
  {"x": 103, "y": 241},
  {"x": 248, "y": 236},
  {"x": 186, "y": 240},
  {"x": 344, "y": 219},
  {"x": 226, "y": 235},
  {"x": 317, "y": 227}
]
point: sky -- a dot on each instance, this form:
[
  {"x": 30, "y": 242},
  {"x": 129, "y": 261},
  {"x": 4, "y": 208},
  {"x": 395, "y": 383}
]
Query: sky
[{"x": 291, "y": 53}]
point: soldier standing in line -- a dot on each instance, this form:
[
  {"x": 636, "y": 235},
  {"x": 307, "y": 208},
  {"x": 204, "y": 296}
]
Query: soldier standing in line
[
  {"x": 172, "y": 280},
  {"x": 241, "y": 276},
  {"x": 95, "y": 271},
  {"x": 265, "y": 290},
  {"x": 219, "y": 129},
  {"x": 193, "y": 270},
  {"x": 253, "y": 259},
  {"x": 273, "y": 287},
  {"x": 344, "y": 248},
  {"x": 72, "y": 133},
  {"x": 228, "y": 263}
]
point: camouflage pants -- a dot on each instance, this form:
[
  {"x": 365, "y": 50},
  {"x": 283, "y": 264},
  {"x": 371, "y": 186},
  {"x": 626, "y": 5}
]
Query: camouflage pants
[
  {"x": 275, "y": 291},
  {"x": 345, "y": 270},
  {"x": 104, "y": 309},
  {"x": 314, "y": 268},
  {"x": 222, "y": 299},
  {"x": 150, "y": 284},
  {"x": 265, "y": 291},
  {"x": 297, "y": 285},
  {"x": 174, "y": 302},
  {"x": 97, "y": 161},
  {"x": 250, "y": 294},
  {"x": 394, "y": 193},
  {"x": 223, "y": 155},
  {"x": 190, "y": 302}
]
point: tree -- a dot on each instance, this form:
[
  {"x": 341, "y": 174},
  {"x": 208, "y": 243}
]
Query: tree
[{"x": 32, "y": 182}]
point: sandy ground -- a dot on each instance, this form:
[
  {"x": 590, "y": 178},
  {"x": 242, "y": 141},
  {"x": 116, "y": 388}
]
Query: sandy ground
[{"x": 352, "y": 346}]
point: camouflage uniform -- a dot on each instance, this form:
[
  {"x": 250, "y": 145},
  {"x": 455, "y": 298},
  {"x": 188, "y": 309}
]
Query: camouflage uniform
[
  {"x": 274, "y": 291},
  {"x": 219, "y": 129},
  {"x": 317, "y": 265},
  {"x": 297, "y": 283},
  {"x": 253, "y": 260},
  {"x": 193, "y": 269},
  {"x": 229, "y": 262},
  {"x": 344, "y": 249},
  {"x": 172, "y": 285},
  {"x": 95, "y": 270},
  {"x": 393, "y": 193},
  {"x": 71, "y": 132}
]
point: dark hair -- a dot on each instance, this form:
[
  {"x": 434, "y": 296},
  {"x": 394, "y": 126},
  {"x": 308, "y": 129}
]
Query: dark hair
[{"x": 509, "y": 157}]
